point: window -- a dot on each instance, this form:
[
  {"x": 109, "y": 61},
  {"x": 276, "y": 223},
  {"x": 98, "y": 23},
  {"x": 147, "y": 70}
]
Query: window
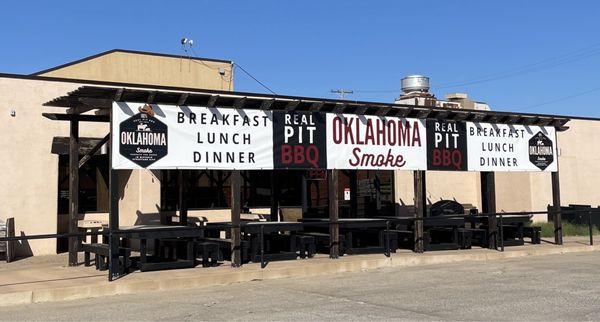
[
  {"x": 93, "y": 188},
  {"x": 207, "y": 189}
]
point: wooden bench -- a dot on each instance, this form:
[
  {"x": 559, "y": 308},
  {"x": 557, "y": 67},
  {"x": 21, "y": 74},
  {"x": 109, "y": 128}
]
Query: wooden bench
[
  {"x": 464, "y": 238},
  {"x": 533, "y": 232},
  {"x": 101, "y": 255},
  {"x": 306, "y": 246},
  {"x": 210, "y": 252},
  {"x": 322, "y": 242},
  {"x": 224, "y": 245}
]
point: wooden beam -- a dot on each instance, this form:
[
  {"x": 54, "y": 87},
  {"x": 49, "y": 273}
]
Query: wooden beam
[
  {"x": 212, "y": 100},
  {"x": 236, "y": 234},
  {"x": 182, "y": 99},
  {"x": 382, "y": 111},
  {"x": 557, "y": 219},
  {"x": 423, "y": 113},
  {"x": 420, "y": 191},
  {"x": 266, "y": 104},
  {"x": 73, "y": 191},
  {"x": 182, "y": 196},
  {"x": 274, "y": 196},
  {"x": 339, "y": 108},
  {"x": 239, "y": 102},
  {"x": 403, "y": 112},
  {"x": 113, "y": 223},
  {"x": 316, "y": 106},
  {"x": 334, "y": 229},
  {"x": 292, "y": 106},
  {"x": 96, "y": 102},
  {"x": 76, "y": 117},
  {"x": 93, "y": 151},
  {"x": 80, "y": 109},
  {"x": 353, "y": 177},
  {"x": 151, "y": 96},
  {"x": 488, "y": 205},
  {"x": 119, "y": 94}
]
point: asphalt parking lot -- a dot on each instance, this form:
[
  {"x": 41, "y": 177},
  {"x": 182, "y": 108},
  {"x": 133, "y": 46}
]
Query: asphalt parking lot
[{"x": 554, "y": 287}]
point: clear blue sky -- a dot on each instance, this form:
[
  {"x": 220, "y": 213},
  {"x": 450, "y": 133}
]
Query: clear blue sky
[{"x": 534, "y": 52}]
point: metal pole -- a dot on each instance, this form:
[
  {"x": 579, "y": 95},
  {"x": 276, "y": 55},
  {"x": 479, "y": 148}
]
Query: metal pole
[
  {"x": 591, "y": 228},
  {"x": 387, "y": 238},
  {"x": 262, "y": 246},
  {"x": 501, "y": 234}
]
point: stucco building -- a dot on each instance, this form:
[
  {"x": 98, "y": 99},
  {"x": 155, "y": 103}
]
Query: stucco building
[{"x": 34, "y": 185}]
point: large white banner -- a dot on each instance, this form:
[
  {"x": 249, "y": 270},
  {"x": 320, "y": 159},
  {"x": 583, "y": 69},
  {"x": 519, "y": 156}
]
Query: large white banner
[
  {"x": 186, "y": 137},
  {"x": 505, "y": 147},
  {"x": 371, "y": 142}
]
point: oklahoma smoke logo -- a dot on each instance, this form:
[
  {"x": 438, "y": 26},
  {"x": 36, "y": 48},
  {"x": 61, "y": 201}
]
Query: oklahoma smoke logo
[
  {"x": 143, "y": 138},
  {"x": 541, "y": 153}
]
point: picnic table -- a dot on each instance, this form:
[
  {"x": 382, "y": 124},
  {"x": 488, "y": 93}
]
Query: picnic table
[
  {"x": 513, "y": 227},
  {"x": 440, "y": 232},
  {"x": 361, "y": 235}
]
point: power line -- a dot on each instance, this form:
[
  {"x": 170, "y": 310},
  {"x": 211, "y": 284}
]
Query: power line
[
  {"x": 560, "y": 99},
  {"x": 254, "y": 78},
  {"x": 342, "y": 92}
]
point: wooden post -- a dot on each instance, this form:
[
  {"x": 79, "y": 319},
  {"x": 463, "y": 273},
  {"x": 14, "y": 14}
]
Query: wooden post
[
  {"x": 113, "y": 223},
  {"x": 236, "y": 236},
  {"x": 183, "y": 193},
  {"x": 274, "y": 197},
  {"x": 420, "y": 189},
  {"x": 334, "y": 231},
  {"x": 488, "y": 206},
  {"x": 556, "y": 206},
  {"x": 73, "y": 190},
  {"x": 353, "y": 176},
  {"x": 304, "y": 194}
]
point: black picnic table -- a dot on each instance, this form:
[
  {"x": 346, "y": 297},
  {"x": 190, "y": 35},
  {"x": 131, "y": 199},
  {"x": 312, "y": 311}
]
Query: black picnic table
[
  {"x": 160, "y": 234},
  {"x": 360, "y": 234},
  {"x": 432, "y": 226},
  {"x": 513, "y": 227}
]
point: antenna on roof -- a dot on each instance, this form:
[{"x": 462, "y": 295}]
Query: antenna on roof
[{"x": 185, "y": 44}]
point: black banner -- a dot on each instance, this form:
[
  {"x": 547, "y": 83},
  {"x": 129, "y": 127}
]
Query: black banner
[
  {"x": 143, "y": 139},
  {"x": 446, "y": 145},
  {"x": 299, "y": 140}
]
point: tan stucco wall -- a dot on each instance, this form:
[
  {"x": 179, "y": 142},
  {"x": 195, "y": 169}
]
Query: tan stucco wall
[
  {"x": 28, "y": 184},
  {"x": 150, "y": 70}
]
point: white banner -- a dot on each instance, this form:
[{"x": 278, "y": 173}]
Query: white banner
[
  {"x": 505, "y": 147},
  {"x": 186, "y": 137},
  {"x": 372, "y": 142}
]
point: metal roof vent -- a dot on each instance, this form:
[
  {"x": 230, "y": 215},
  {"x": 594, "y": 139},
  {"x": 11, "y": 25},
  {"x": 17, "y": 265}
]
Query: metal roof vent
[{"x": 415, "y": 83}]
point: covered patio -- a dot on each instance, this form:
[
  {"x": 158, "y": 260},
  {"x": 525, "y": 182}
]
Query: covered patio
[{"x": 325, "y": 216}]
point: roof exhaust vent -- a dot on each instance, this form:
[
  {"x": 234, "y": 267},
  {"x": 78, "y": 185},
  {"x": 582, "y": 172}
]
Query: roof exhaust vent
[{"x": 415, "y": 83}]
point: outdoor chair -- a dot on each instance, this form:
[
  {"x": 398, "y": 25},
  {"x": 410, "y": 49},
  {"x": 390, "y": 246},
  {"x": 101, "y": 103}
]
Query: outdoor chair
[{"x": 101, "y": 256}]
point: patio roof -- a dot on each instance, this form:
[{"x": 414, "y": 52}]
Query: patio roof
[{"x": 87, "y": 98}]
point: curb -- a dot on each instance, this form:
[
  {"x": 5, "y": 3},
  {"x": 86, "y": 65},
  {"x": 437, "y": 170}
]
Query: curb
[{"x": 273, "y": 271}]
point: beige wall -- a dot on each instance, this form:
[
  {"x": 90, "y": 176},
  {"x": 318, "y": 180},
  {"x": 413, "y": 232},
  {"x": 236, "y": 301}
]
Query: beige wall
[
  {"x": 28, "y": 185},
  {"x": 150, "y": 70}
]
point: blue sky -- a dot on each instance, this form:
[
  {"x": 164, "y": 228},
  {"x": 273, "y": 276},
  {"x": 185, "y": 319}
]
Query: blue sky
[{"x": 533, "y": 56}]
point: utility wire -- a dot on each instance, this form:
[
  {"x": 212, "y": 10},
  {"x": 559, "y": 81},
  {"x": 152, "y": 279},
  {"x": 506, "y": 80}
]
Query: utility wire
[
  {"x": 573, "y": 56},
  {"x": 560, "y": 99},
  {"x": 254, "y": 78},
  {"x": 233, "y": 66}
]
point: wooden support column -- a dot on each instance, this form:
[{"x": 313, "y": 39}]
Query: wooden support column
[
  {"x": 304, "y": 194},
  {"x": 236, "y": 236},
  {"x": 556, "y": 206},
  {"x": 182, "y": 180},
  {"x": 274, "y": 197},
  {"x": 420, "y": 189},
  {"x": 113, "y": 223},
  {"x": 73, "y": 190},
  {"x": 353, "y": 176},
  {"x": 334, "y": 229},
  {"x": 488, "y": 206}
]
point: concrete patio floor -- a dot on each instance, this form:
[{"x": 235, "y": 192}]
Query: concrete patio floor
[{"x": 47, "y": 278}]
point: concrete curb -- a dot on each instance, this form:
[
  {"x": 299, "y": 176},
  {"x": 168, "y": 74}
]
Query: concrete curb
[{"x": 147, "y": 282}]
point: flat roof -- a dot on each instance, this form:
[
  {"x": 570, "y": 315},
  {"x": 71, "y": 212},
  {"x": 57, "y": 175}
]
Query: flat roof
[{"x": 137, "y": 52}]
